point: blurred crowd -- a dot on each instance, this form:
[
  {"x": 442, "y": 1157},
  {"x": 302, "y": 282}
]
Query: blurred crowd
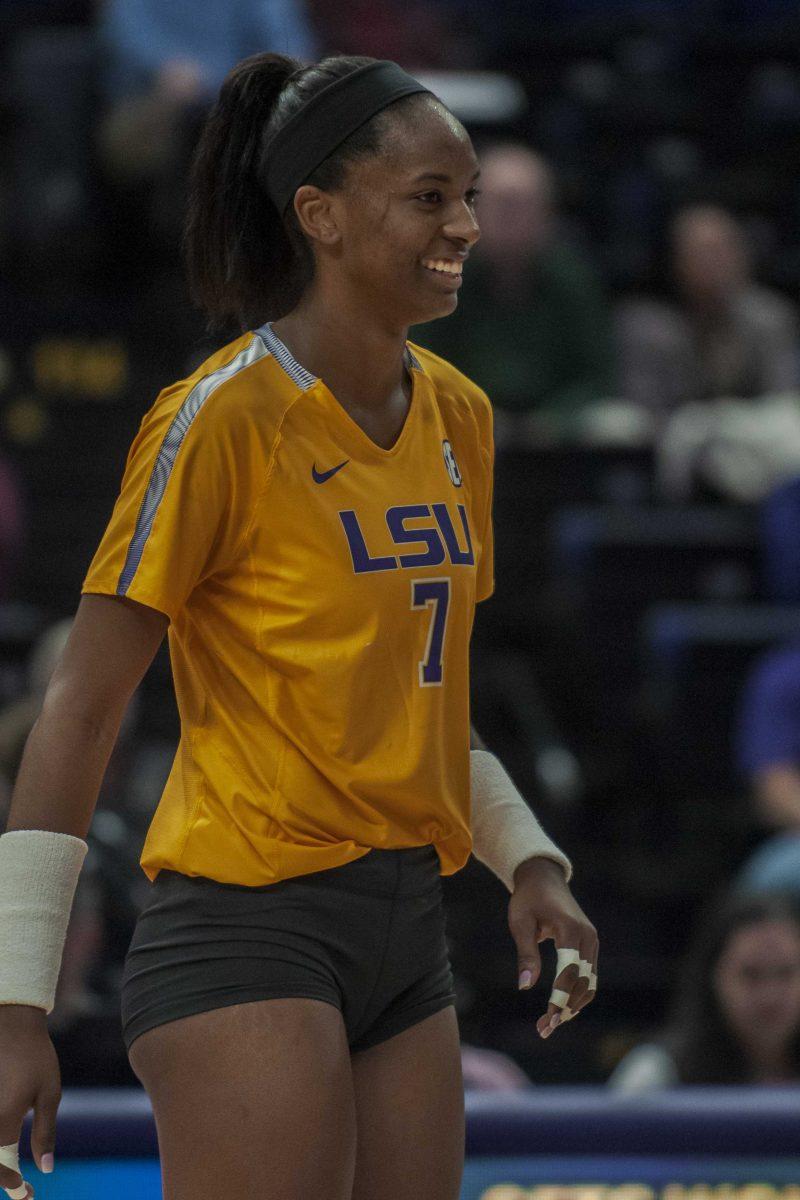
[{"x": 632, "y": 312}]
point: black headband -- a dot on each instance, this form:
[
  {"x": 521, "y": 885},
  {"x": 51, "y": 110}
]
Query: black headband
[{"x": 325, "y": 121}]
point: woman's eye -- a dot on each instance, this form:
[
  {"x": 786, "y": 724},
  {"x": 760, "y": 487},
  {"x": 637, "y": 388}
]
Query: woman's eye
[
  {"x": 430, "y": 197},
  {"x": 472, "y": 195}
]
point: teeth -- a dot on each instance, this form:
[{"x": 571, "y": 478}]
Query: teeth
[{"x": 443, "y": 265}]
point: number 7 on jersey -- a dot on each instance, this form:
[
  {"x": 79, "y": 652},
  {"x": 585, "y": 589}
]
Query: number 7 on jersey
[{"x": 435, "y": 595}]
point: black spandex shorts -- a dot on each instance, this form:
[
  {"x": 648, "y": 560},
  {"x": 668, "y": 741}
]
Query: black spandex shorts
[{"x": 368, "y": 937}]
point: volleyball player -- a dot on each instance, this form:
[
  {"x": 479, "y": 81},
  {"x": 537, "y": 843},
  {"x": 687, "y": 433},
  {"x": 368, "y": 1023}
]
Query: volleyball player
[{"x": 308, "y": 517}]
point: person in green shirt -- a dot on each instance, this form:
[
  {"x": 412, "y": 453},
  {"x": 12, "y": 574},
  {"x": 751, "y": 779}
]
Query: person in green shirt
[{"x": 532, "y": 325}]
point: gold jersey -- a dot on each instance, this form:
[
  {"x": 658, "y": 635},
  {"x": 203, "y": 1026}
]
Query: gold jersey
[{"x": 321, "y": 593}]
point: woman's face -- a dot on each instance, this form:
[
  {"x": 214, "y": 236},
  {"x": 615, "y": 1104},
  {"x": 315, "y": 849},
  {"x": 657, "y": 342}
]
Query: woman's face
[
  {"x": 407, "y": 218},
  {"x": 758, "y": 981}
]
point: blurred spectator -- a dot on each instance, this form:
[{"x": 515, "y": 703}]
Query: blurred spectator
[
  {"x": 122, "y": 814},
  {"x": 14, "y": 14},
  {"x": 721, "y": 336},
  {"x": 737, "y": 1012},
  {"x": 491, "y": 1071},
  {"x": 145, "y": 38},
  {"x": 12, "y": 526},
  {"x": 135, "y": 771},
  {"x": 17, "y": 718},
  {"x": 531, "y": 326},
  {"x": 85, "y": 1021},
  {"x": 165, "y": 63},
  {"x": 422, "y": 33},
  {"x": 779, "y": 524},
  {"x": 768, "y": 753}
]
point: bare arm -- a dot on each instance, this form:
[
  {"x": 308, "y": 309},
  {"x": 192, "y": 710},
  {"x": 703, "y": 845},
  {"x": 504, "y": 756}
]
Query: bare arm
[{"x": 112, "y": 643}]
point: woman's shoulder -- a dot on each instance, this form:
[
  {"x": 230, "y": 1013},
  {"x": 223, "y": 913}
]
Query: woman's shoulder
[{"x": 240, "y": 378}]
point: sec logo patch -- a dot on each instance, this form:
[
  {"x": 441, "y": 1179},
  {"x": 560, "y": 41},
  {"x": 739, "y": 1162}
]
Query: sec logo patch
[{"x": 451, "y": 464}]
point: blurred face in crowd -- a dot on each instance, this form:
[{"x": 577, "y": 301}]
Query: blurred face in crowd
[
  {"x": 516, "y": 205},
  {"x": 758, "y": 982},
  {"x": 709, "y": 256}
]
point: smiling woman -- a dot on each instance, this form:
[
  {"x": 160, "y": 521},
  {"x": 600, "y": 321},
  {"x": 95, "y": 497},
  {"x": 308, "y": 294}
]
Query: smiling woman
[
  {"x": 257, "y": 241},
  {"x": 310, "y": 513}
]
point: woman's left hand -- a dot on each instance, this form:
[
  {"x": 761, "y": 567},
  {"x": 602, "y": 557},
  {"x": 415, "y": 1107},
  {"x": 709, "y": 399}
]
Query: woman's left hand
[{"x": 542, "y": 907}]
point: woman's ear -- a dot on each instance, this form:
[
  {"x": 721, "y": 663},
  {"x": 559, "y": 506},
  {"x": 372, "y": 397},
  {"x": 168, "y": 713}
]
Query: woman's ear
[{"x": 316, "y": 215}]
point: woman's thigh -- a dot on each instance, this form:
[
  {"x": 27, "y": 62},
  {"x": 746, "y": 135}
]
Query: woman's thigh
[
  {"x": 253, "y": 1101},
  {"x": 409, "y": 1099}
]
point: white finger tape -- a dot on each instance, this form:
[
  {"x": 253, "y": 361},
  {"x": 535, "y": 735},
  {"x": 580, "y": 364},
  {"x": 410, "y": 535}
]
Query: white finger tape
[
  {"x": 558, "y": 997},
  {"x": 567, "y": 958},
  {"x": 9, "y": 1157},
  {"x": 593, "y": 982}
]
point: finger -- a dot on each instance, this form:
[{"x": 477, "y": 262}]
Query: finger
[
  {"x": 586, "y": 985},
  {"x": 587, "y": 995},
  {"x": 529, "y": 960},
  {"x": 20, "y": 1190},
  {"x": 580, "y": 988},
  {"x": 43, "y": 1128},
  {"x": 556, "y": 1012},
  {"x": 550, "y": 1020},
  {"x": 591, "y": 952},
  {"x": 568, "y": 971},
  {"x": 569, "y": 988},
  {"x": 11, "y": 1179}
]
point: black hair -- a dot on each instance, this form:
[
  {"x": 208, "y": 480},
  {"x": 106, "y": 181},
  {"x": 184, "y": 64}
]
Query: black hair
[
  {"x": 704, "y": 1047},
  {"x": 247, "y": 263}
]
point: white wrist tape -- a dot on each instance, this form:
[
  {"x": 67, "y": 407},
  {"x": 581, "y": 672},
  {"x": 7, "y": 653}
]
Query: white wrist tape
[
  {"x": 39, "y": 873},
  {"x": 504, "y": 830}
]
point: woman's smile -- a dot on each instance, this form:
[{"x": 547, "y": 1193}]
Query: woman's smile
[{"x": 446, "y": 271}]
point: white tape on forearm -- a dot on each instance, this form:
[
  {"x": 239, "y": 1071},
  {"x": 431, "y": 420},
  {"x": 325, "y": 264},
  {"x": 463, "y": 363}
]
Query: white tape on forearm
[
  {"x": 9, "y": 1157},
  {"x": 39, "y": 872},
  {"x": 504, "y": 830}
]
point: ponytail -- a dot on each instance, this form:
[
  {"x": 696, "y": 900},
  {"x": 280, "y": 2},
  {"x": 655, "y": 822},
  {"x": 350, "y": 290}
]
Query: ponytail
[
  {"x": 239, "y": 258},
  {"x": 247, "y": 263}
]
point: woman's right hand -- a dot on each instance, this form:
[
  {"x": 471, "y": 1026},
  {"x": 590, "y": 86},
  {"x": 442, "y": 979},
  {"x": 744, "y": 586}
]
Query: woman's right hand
[{"x": 29, "y": 1078}]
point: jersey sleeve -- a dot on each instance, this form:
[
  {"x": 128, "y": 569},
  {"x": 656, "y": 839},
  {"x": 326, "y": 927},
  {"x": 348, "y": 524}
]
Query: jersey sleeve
[
  {"x": 184, "y": 506},
  {"x": 485, "y": 569}
]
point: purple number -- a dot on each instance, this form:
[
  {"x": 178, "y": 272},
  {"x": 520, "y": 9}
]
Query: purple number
[{"x": 435, "y": 594}]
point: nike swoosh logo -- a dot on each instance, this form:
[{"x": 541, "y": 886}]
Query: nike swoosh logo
[{"x": 321, "y": 476}]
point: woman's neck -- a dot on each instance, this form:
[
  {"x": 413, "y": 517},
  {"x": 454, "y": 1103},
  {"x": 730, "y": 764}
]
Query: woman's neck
[{"x": 361, "y": 363}]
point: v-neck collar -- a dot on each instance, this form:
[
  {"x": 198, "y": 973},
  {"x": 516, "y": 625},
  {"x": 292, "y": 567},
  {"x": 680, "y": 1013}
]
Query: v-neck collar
[{"x": 304, "y": 379}]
